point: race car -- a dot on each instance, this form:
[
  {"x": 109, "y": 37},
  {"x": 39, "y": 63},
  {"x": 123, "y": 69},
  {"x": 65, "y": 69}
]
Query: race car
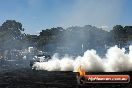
[{"x": 40, "y": 58}]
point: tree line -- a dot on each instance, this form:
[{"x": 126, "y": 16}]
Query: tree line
[{"x": 12, "y": 36}]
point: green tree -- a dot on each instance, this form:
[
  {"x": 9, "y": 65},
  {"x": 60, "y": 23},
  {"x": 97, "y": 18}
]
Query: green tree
[{"x": 10, "y": 34}]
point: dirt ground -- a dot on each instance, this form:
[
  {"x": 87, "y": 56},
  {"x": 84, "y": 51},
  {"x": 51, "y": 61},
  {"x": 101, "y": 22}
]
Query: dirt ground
[{"x": 27, "y": 78}]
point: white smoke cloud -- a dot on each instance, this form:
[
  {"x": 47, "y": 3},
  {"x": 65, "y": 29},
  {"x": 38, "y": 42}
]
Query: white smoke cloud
[{"x": 116, "y": 60}]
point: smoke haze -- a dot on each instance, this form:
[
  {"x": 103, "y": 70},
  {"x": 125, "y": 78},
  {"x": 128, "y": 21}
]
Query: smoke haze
[{"x": 93, "y": 12}]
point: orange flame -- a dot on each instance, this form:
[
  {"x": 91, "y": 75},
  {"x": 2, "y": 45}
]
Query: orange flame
[{"x": 81, "y": 71}]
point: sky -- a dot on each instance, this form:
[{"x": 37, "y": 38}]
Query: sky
[{"x": 37, "y": 15}]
